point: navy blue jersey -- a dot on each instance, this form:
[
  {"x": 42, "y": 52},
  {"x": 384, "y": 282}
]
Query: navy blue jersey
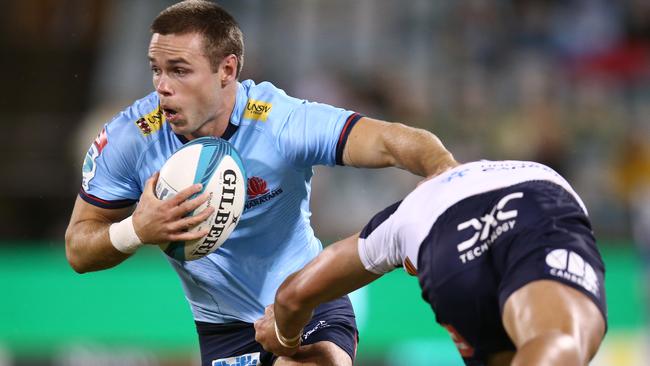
[{"x": 479, "y": 232}]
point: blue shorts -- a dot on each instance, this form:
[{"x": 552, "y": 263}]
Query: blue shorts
[
  {"x": 544, "y": 234},
  {"x": 234, "y": 343}
]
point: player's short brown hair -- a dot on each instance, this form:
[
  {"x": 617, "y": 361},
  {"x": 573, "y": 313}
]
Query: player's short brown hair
[{"x": 219, "y": 29}]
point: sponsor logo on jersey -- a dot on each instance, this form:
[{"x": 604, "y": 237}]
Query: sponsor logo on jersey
[
  {"x": 256, "y": 187},
  {"x": 151, "y": 122},
  {"x": 571, "y": 266},
  {"x": 455, "y": 174},
  {"x": 257, "y": 110},
  {"x": 487, "y": 228},
  {"x": 258, "y": 192},
  {"x": 465, "y": 349},
  {"x": 89, "y": 168},
  {"x": 249, "y": 359},
  {"x": 320, "y": 325}
]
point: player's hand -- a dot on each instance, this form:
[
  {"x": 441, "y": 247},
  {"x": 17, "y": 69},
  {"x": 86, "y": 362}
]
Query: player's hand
[
  {"x": 265, "y": 335},
  {"x": 157, "y": 221}
]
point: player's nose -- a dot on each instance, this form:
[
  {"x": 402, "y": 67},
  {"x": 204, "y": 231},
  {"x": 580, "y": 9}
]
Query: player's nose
[{"x": 163, "y": 86}]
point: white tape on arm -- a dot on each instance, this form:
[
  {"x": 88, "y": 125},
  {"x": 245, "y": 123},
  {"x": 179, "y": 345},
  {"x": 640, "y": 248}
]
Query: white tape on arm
[{"x": 123, "y": 236}]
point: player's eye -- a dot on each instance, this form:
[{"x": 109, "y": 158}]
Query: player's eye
[
  {"x": 180, "y": 71},
  {"x": 155, "y": 70}
]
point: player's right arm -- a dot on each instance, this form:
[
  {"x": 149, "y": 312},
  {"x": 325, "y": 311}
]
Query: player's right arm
[
  {"x": 551, "y": 323},
  {"x": 91, "y": 247},
  {"x": 336, "y": 271}
]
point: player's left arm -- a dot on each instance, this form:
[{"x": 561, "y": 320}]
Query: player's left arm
[
  {"x": 376, "y": 144},
  {"x": 337, "y": 271}
]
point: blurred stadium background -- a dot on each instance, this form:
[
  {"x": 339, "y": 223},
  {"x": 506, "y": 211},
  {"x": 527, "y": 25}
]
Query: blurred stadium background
[{"x": 564, "y": 82}]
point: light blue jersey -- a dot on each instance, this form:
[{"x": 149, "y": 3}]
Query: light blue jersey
[{"x": 280, "y": 139}]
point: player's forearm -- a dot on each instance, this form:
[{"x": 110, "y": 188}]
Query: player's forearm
[
  {"x": 377, "y": 144},
  {"x": 417, "y": 150},
  {"x": 336, "y": 272},
  {"x": 88, "y": 247},
  {"x": 291, "y": 315}
]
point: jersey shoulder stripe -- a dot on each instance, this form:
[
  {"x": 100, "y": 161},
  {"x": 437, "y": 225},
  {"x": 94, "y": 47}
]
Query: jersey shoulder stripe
[{"x": 345, "y": 133}]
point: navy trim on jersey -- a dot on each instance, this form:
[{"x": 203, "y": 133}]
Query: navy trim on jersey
[
  {"x": 227, "y": 134},
  {"x": 378, "y": 219},
  {"x": 343, "y": 138},
  {"x": 230, "y": 130},
  {"x": 182, "y": 138},
  {"x": 96, "y": 201}
]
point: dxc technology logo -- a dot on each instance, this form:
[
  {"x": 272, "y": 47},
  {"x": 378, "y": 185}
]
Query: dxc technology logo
[{"x": 488, "y": 228}]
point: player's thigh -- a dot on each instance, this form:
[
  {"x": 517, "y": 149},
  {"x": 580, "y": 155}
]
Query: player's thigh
[
  {"x": 322, "y": 353},
  {"x": 546, "y": 306}
]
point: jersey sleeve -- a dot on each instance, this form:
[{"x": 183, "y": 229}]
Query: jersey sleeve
[
  {"x": 378, "y": 247},
  {"x": 315, "y": 134},
  {"x": 109, "y": 170}
]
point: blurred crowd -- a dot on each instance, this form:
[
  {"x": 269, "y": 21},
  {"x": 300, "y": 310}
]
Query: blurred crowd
[{"x": 563, "y": 82}]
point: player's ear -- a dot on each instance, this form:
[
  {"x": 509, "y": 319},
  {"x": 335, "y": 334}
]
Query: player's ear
[{"x": 228, "y": 68}]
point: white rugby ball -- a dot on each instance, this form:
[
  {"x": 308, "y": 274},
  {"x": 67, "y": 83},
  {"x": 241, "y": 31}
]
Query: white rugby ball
[{"x": 215, "y": 163}]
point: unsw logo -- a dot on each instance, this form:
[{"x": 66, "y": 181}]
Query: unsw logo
[
  {"x": 257, "y": 110},
  {"x": 498, "y": 221},
  {"x": 571, "y": 266},
  {"x": 258, "y": 192}
]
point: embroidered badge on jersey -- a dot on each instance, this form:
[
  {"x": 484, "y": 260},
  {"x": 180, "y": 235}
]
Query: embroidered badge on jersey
[
  {"x": 258, "y": 192},
  {"x": 151, "y": 122},
  {"x": 90, "y": 168}
]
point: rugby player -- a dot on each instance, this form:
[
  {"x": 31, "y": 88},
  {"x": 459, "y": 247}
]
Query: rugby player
[
  {"x": 504, "y": 254},
  {"x": 196, "y": 54}
]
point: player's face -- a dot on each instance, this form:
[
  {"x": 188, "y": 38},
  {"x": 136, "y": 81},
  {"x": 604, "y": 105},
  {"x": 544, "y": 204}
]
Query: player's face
[{"x": 189, "y": 90}]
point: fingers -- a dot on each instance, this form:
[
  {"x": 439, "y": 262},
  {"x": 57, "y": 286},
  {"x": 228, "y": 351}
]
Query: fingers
[
  {"x": 185, "y": 194},
  {"x": 268, "y": 311},
  {"x": 191, "y": 204},
  {"x": 150, "y": 184},
  {"x": 188, "y": 222},
  {"x": 188, "y": 235}
]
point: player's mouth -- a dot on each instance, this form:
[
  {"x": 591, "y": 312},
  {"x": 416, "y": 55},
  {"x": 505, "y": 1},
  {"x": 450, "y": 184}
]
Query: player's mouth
[{"x": 171, "y": 115}]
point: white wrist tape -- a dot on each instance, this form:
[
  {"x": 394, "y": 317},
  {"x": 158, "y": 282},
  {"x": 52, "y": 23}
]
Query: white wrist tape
[
  {"x": 287, "y": 342},
  {"x": 123, "y": 236}
]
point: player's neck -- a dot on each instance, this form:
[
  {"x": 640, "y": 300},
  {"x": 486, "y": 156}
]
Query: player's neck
[{"x": 218, "y": 124}]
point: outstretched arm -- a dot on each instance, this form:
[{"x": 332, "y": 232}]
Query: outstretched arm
[
  {"x": 333, "y": 273},
  {"x": 376, "y": 144}
]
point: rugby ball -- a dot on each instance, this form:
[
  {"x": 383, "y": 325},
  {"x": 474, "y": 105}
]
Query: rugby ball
[{"x": 215, "y": 164}]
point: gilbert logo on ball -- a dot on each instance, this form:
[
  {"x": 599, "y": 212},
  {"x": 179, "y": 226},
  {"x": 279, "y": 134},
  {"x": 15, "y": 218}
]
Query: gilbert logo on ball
[{"x": 215, "y": 164}]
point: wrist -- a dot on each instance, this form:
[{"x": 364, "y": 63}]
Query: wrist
[
  {"x": 287, "y": 342},
  {"x": 123, "y": 236}
]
